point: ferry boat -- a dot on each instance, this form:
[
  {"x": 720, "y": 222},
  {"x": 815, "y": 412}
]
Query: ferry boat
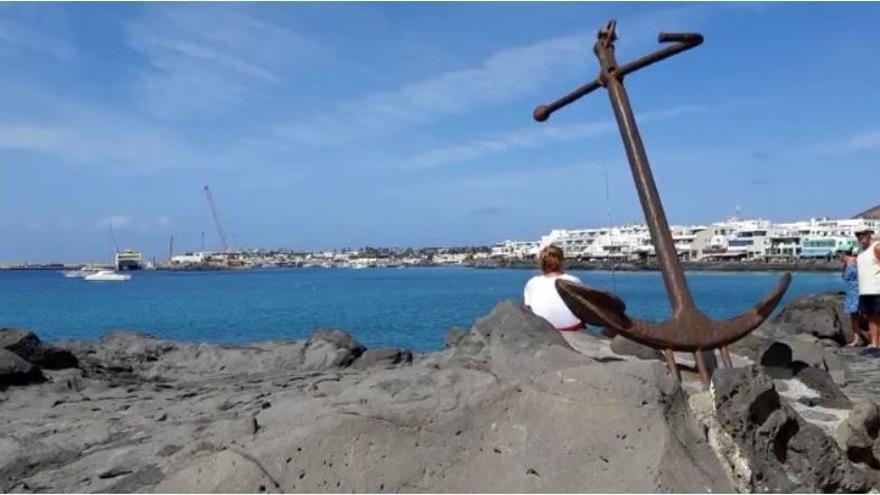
[
  {"x": 107, "y": 276},
  {"x": 129, "y": 260}
]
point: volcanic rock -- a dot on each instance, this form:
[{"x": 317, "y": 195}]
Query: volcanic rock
[
  {"x": 626, "y": 347},
  {"x": 858, "y": 434},
  {"x": 385, "y": 356},
  {"x": 784, "y": 452},
  {"x": 29, "y": 347},
  {"x": 818, "y": 315},
  {"x": 16, "y": 371}
]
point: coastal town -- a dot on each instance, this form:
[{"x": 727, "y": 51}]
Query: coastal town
[{"x": 728, "y": 243}]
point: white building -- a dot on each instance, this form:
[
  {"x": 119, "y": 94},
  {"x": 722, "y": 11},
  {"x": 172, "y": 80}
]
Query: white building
[{"x": 515, "y": 249}]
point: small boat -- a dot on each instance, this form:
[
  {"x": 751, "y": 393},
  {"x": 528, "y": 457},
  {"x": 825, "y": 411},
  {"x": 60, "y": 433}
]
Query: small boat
[
  {"x": 81, "y": 273},
  {"x": 107, "y": 276}
]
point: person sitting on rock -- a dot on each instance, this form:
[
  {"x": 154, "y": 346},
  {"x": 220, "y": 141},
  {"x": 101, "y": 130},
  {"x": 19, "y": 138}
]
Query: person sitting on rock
[
  {"x": 540, "y": 293},
  {"x": 869, "y": 285},
  {"x": 851, "y": 301}
]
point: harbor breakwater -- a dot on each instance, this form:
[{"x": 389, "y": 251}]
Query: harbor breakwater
[{"x": 510, "y": 405}]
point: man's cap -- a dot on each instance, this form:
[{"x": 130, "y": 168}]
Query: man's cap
[{"x": 864, "y": 231}]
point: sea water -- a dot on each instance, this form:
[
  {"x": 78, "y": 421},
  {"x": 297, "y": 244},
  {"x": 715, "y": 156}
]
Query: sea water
[{"x": 406, "y": 307}]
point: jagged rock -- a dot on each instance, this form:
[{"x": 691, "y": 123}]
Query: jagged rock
[
  {"x": 29, "y": 347},
  {"x": 626, "y": 347},
  {"x": 838, "y": 370},
  {"x": 331, "y": 349},
  {"x": 16, "y": 371},
  {"x": 752, "y": 346},
  {"x": 784, "y": 452},
  {"x": 858, "y": 434},
  {"x": 818, "y": 315},
  {"x": 386, "y": 356},
  {"x": 807, "y": 350},
  {"x": 511, "y": 407},
  {"x": 820, "y": 381}
]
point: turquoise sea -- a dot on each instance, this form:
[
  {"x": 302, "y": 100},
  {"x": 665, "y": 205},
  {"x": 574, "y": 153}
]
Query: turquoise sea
[{"x": 408, "y": 307}]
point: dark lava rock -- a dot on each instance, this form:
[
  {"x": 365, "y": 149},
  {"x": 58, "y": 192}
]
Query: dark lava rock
[
  {"x": 30, "y": 348},
  {"x": 858, "y": 434},
  {"x": 818, "y": 315},
  {"x": 331, "y": 349},
  {"x": 785, "y": 453},
  {"x": 386, "y": 356},
  {"x": 626, "y": 347},
  {"x": 16, "y": 371},
  {"x": 776, "y": 361},
  {"x": 820, "y": 381}
]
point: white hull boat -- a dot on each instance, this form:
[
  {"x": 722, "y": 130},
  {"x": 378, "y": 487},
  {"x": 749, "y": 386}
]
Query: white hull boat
[
  {"x": 107, "y": 276},
  {"x": 81, "y": 273}
]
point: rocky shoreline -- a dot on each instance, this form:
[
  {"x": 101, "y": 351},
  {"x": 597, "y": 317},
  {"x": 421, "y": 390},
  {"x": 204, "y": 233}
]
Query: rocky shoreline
[{"x": 508, "y": 406}]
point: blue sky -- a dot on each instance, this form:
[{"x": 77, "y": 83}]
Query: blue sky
[{"x": 334, "y": 125}]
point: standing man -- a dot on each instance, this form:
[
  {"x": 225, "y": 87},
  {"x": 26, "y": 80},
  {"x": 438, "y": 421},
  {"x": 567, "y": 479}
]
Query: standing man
[{"x": 869, "y": 283}]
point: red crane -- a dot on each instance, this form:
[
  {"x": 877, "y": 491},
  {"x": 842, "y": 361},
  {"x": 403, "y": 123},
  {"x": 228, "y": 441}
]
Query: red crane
[{"x": 220, "y": 233}]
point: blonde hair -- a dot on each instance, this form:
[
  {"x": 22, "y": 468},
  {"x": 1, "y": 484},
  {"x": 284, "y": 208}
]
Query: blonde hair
[{"x": 551, "y": 259}]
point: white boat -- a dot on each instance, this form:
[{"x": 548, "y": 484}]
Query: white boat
[
  {"x": 107, "y": 276},
  {"x": 81, "y": 273}
]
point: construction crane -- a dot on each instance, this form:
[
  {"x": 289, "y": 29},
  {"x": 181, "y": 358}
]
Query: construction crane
[{"x": 220, "y": 232}]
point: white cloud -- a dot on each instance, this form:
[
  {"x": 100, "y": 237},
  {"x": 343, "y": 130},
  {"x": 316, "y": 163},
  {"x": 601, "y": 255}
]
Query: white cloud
[
  {"x": 115, "y": 221},
  {"x": 203, "y": 56},
  {"x": 500, "y": 77},
  {"x": 863, "y": 141}
]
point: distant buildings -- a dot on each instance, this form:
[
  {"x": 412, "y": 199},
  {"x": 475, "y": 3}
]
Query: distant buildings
[{"x": 731, "y": 239}]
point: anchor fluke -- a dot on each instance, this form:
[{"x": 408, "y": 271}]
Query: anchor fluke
[{"x": 690, "y": 330}]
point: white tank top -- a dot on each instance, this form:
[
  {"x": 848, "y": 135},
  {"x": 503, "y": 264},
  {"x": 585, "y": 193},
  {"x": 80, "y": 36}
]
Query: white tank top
[
  {"x": 540, "y": 295},
  {"x": 869, "y": 272}
]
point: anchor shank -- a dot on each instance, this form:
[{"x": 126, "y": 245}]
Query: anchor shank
[{"x": 664, "y": 246}]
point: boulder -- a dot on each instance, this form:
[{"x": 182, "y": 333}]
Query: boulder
[
  {"x": 385, "y": 356},
  {"x": 806, "y": 350},
  {"x": 626, "y": 347},
  {"x": 818, "y": 315},
  {"x": 16, "y": 371},
  {"x": 820, "y": 381},
  {"x": 29, "y": 347},
  {"x": 777, "y": 361},
  {"x": 783, "y": 452},
  {"x": 857, "y": 435},
  {"x": 331, "y": 349}
]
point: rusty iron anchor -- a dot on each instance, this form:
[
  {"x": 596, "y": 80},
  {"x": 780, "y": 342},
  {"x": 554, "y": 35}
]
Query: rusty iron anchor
[{"x": 687, "y": 329}]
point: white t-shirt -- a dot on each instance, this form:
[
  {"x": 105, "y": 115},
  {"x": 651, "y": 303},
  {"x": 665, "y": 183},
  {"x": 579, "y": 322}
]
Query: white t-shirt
[
  {"x": 869, "y": 272},
  {"x": 540, "y": 295}
]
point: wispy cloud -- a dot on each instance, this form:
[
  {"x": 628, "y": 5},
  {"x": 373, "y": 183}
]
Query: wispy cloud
[
  {"x": 857, "y": 142},
  {"x": 532, "y": 137},
  {"x": 30, "y": 33},
  {"x": 115, "y": 221},
  {"x": 116, "y": 145},
  {"x": 862, "y": 141},
  {"x": 500, "y": 77},
  {"x": 204, "y": 56},
  {"x": 126, "y": 222}
]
